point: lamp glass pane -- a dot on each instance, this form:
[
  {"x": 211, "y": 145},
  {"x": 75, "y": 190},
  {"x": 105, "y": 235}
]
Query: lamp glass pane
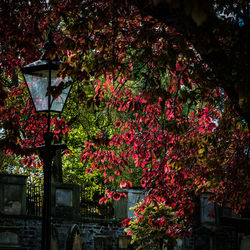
[
  {"x": 57, "y": 104},
  {"x": 37, "y": 82}
]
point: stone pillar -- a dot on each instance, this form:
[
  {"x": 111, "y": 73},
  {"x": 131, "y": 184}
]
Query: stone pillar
[
  {"x": 207, "y": 210},
  {"x": 122, "y": 206},
  {"x": 12, "y": 194},
  {"x": 65, "y": 200}
]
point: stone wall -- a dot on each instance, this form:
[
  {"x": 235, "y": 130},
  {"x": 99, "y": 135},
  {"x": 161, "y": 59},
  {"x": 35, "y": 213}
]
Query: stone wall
[
  {"x": 99, "y": 234},
  {"x": 104, "y": 233},
  {"x": 27, "y": 230}
]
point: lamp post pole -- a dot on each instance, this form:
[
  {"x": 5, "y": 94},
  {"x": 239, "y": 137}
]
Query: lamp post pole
[
  {"x": 47, "y": 157},
  {"x": 47, "y": 152},
  {"x": 39, "y": 77}
]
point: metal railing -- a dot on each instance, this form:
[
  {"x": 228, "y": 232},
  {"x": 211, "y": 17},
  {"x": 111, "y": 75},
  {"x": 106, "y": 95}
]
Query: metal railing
[
  {"x": 89, "y": 202},
  {"x": 34, "y": 197}
]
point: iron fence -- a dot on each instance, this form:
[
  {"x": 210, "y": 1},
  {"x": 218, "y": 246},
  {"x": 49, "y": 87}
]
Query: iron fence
[
  {"x": 34, "y": 197},
  {"x": 89, "y": 202}
]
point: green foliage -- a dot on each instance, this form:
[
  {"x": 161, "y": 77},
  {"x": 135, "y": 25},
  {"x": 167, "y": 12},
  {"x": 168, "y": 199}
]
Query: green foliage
[
  {"x": 7, "y": 162},
  {"x": 151, "y": 226}
]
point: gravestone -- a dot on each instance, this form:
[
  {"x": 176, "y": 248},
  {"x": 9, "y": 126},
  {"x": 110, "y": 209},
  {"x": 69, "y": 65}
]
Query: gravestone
[
  {"x": 74, "y": 239},
  {"x": 54, "y": 239},
  {"x": 9, "y": 237},
  {"x": 245, "y": 243},
  {"x": 103, "y": 242},
  {"x": 124, "y": 242}
]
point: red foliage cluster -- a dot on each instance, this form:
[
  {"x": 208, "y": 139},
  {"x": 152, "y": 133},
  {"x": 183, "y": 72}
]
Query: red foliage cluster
[
  {"x": 181, "y": 155},
  {"x": 24, "y": 128}
]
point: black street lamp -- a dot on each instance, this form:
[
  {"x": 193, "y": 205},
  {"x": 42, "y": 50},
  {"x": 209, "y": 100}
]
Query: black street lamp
[{"x": 41, "y": 77}]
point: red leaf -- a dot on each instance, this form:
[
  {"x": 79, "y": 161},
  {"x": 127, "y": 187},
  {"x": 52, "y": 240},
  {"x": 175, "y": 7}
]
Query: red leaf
[
  {"x": 103, "y": 200},
  {"x": 123, "y": 184}
]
